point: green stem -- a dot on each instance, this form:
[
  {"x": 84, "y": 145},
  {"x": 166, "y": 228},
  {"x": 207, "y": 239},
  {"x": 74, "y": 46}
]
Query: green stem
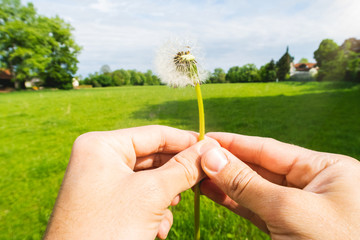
[{"x": 201, "y": 137}]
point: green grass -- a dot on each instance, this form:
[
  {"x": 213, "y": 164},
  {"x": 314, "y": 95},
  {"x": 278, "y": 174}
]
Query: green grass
[{"x": 37, "y": 130}]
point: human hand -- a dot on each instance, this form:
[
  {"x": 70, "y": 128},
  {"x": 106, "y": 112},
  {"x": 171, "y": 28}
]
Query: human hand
[
  {"x": 287, "y": 191},
  {"x": 119, "y": 184}
]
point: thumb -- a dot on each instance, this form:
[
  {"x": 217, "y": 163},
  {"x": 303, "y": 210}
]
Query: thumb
[
  {"x": 237, "y": 180},
  {"x": 183, "y": 171}
]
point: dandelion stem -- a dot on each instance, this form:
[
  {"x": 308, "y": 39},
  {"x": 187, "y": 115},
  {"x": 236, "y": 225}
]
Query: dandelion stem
[
  {"x": 201, "y": 137},
  {"x": 201, "y": 112}
]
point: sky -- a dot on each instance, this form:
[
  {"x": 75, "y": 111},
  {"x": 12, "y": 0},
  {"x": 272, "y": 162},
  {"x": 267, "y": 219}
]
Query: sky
[{"x": 126, "y": 34}]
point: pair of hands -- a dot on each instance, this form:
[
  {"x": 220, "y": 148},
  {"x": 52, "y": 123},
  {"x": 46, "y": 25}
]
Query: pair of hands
[{"x": 119, "y": 184}]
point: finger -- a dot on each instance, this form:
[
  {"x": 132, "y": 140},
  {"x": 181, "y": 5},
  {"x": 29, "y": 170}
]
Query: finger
[
  {"x": 143, "y": 141},
  {"x": 152, "y": 161},
  {"x": 176, "y": 200},
  {"x": 239, "y": 181},
  {"x": 209, "y": 189},
  {"x": 268, "y": 175},
  {"x": 298, "y": 164},
  {"x": 268, "y": 153},
  {"x": 184, "y": 170},
  {"x": 165, "y": 224}
]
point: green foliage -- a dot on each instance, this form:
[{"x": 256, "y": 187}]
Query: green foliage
[
  {"x": 34, "y": 153},
  {"x": 330, "y": 60},
  {"x": 249, "y": 73},
  {"x": 328, "y": 50},
  {"x": 232, "y": 75},
  {"x": 32, "y": 45},
  {"x": 353, "y": 67},
  {"x": 338, "y": 63},
  {"x": 246, "y": 73},
  {"x": 268, "y": 72},
  {"x": 218, "y": 76},
  {"x": 283, "y": 66},
  {"x": 121, "y": 77},
  {"x": 304, "y": 60}
]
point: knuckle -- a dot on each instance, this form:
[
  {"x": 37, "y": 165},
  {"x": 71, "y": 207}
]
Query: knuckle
[
  {"x": 190, "y": 171},
  {"x": 239, "y": 184},
  {"x": 85, "y": 139},
  {"x": 264, "y": 143},
  {"x": 86, "y": 147}
]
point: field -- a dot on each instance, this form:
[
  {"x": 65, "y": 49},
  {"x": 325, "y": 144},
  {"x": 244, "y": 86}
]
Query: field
[{"x": 37, "y": 130}]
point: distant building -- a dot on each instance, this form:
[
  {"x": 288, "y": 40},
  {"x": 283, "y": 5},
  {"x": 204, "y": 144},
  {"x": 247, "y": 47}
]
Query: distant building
[
  {"x": 303, "y": 71},
  {"x": 75, "y": 82},
  {"x": 5, "y": 79},
  {"x": 305, "y": 67},
  {"x": 34, "y": 83}
]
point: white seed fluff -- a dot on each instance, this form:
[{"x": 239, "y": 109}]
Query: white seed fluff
[{"x": 166, "y": 67}]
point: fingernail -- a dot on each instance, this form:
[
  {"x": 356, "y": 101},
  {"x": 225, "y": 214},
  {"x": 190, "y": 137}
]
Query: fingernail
[
  {"x": 207, "y": 145},
  {"x": 215, "y": 160}
]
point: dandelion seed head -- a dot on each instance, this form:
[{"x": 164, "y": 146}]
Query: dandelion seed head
[{"x": 177, "y": 64}]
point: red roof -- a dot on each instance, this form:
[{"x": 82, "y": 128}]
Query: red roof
[
  {"x": 305, "y": 66},
  {"x": 5, "y": 74}
]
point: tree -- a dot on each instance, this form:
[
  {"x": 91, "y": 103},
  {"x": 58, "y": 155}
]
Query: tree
[
  {"x": 304, "y": 60},
  {"x": 328, "y": 50},
  {"x": 218, "y": 76},
  {"x": 21, "y": 48},
  {"x": 249, "y": 73},
  {"x": 233, "y": 75},
  {"x": 268, "y": 72},
  {"x": 353, "y": 67},
  {"x": 121, "y": 77},
  {"x": 151, "y": 79},
  {"x": 331, "y": 61},
  {"x": 136, "y": 78},
  {"x": 62, "y": 65},
  {"x": 283, "y": 65},
  {"x": 36, "y": 46},
  {"x": 105, "y": 69},
  {"x": 351, "y": 44}
]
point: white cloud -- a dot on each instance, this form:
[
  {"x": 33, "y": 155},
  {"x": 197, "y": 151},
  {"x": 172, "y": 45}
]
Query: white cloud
[
  {"x": 104, "y": 6},
  {"x": 125, "y": 34}
]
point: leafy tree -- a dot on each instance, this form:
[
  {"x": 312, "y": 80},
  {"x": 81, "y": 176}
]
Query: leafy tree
[
  {"x": 233, "y": 75},
  {"x": 249, "y": 73},
  {"x": 105, "y": 69},
  {"x": 353, "y": 68},
  {"x": 104, "y": 80},
  {"x": 36, "y": 46},
  {"x": 268, "y": 72},
  {"x": 328, "y": 50},
  {"x": 351, "y": 44},
  {"x": 331, "y": 61},
  {"x": 218, "y": 76},
  {"x": 136, "y": 78},
  {"x": 63, "y": 61},
  {"x": 21, "y": 45},
  {"x": 351, "y": 48},
  {"x": 304, "y": 60},
  {"x": 121, "y": 77},
  {"x": 283, "y": 65},
  {"x": 156, "y": 80},
  {"x": 151, "y": 79}
]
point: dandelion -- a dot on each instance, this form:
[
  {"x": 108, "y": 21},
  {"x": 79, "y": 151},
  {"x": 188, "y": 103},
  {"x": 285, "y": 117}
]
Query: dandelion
[{"x": 177, "y": 66}]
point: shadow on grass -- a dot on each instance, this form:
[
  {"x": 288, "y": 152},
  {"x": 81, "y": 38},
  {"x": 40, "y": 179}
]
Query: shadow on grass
[{"x": 322, "y": 121}]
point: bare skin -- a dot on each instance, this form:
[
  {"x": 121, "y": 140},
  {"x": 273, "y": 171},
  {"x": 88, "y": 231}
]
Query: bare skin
[
  {"x": 287, "y": 191},
  {"x": 119, "y": 185}
]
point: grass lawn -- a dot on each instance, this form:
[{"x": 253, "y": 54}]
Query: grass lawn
[{"x": 37, "y": 130}]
